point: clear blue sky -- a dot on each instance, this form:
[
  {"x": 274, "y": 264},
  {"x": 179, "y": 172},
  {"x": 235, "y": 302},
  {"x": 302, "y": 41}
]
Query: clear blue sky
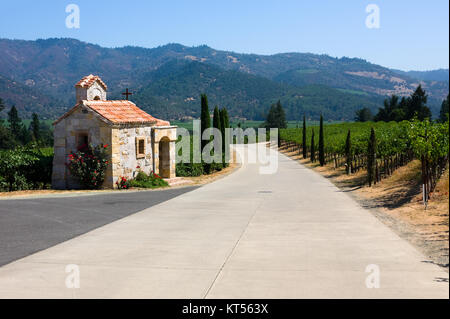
[{"x": 413, "y": 34}]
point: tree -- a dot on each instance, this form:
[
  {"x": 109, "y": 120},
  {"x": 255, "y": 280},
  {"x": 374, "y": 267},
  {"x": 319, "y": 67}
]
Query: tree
[
  {"x": 364, "y": 115},
  {"x": 217, "y": 124},
  {"x": 371, "y": 157},
  {"x": 276, "y": 118},
  {"x": 205, "y": 119},
  {"x": 321, "y": 143},
  {"x": 443, "y": 114},
  {"x": 2, "y": 106},
  {"x": 25, "y": 135},
  {"x": 305, "y": 150},
  {"x": 15, "y": 122},
  {"x": 281, "y": 116},
  {"x": 7, "y": 141},
  {"x": 387, "y": 113},
  {"x": 416, "y": 105},
  {"x": 271, "y": 121},
  {"x": 36, "y": 127},
  {"x": 225, "y": 121},
  {"x": 348, "y": 153},
  {"x": 313, "y": 148}
]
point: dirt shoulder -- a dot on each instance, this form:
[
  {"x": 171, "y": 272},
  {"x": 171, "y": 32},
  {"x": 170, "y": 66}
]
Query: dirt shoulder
[{"x": 396, "y": 201}]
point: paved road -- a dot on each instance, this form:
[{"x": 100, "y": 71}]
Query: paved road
[
  {"x": 31, "y": 225},
  {"x": 248, "y": 235}
]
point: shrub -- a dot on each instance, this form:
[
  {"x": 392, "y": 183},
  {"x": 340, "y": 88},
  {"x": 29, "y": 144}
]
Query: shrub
[
  {"x": 15, "y": 168},
  {"x": 143, "y": 180},
  {"x": 40, "y": 174},
  {"x": 189, "y": 169},
  {"x": 123, "y": 183},
  {"x": 89, "y": 165}
]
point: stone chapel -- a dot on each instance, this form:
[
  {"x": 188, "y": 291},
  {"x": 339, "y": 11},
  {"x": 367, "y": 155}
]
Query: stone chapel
[{"x": 137, "y": 140}]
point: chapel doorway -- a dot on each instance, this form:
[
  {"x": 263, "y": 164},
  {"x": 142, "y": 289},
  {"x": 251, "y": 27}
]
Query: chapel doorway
[{"x": 164, "y": 157}]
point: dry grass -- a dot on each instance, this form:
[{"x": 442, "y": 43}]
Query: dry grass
[
  {"x": 46, "y": 192},
  {"x": 397, "y": 201}
]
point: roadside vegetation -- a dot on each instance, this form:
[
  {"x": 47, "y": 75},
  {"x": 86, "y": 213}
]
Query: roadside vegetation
[
  {"x": 26, "y": 153},
  {"x": 399, "y": 170},
  {"x": 380, "y": 147},
  {"x": 187, "y": 168}
]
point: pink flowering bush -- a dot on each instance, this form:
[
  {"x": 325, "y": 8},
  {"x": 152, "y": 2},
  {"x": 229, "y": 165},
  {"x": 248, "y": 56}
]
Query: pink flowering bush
[{"x": 89, "y": 165}]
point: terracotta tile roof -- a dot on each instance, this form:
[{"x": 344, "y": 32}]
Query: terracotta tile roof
[
  {"x": 119, "y": 112},
  {"x": 123, "y": 112},
  {"x": 87, "y": 81}
]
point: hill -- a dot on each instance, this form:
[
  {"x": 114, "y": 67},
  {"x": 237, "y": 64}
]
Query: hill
[
  {"x": 434, "y": 75},
  {"x": 173, "y": 91},
  {"x": 28, "y": 100},
  {"x": 247, "y": 83}
]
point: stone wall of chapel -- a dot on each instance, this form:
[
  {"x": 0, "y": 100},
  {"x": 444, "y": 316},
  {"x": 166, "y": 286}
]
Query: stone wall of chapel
[
  {"x": 65, "y": 142},
  {"x": 124, "y": 153}
]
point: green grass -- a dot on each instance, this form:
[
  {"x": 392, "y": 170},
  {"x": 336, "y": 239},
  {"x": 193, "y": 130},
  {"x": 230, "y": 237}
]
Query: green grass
[
  {"x": 354, "y": 92},
  {"x": 47, "y": 122},
  {"x": 184, "y": 124},
  {"x": 307, "y": 71}
]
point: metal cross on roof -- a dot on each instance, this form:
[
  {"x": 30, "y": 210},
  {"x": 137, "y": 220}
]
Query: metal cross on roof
[{"x": 127, "y": 94}]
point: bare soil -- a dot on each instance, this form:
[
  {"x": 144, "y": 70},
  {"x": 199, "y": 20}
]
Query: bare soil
[{"x": 397, "y": 202}]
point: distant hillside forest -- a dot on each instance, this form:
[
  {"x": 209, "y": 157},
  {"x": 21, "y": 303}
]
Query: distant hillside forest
[{"x": 39, "y": 77}]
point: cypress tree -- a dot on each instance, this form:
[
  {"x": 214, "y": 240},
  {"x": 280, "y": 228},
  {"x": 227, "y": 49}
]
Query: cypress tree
[
  {"x": 371, "y": 157},
  {"x": 15, "y": 123},
  {"x": 25, "y": 135},
  {"x": 217, "y": 123},
  {"x": 321, "y": 144},
  {"x": 205, "y": 118},
  {"x": 225, "y": 122},
  {"x": 305, "y": 149},
  {"x": 226, "y": 144},
  {"x": 222, "y": 129},
  {"x": 348, "y": 152},
  {"x": 271, "y": 120},
  {"x": 313, "y": 148},
  {"x": 281, "y": 116},
  {"x": 36, "y": 127}
]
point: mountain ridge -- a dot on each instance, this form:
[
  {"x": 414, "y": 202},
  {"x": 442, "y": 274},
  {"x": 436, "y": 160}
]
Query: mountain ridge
[{"x": 53, "y": 66}]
